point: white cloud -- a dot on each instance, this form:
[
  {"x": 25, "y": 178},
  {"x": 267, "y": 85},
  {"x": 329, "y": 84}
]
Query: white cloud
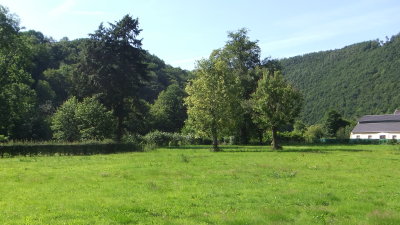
[{"x": 63, "y": 8}]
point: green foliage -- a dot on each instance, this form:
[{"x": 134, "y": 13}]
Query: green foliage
[
  {"x": 3, "y": 138},
  {"x": 95, "y": 122},
  {"x": 51, "y": 149},
  {"x": 65, "y": 122},
  {"x": 344, "y": 132},
  {"x": 291, "y": 137},
  {"x": 360, "y": 79},
  {"x": 213, "y": 97},
  {"x": 86, "y": 120},
  {"x": 159, "y": 139},
  {"x": 160, "y": 76},
  {"x": 38, "y": 74},
  {"x": 17, "y": 99},
  {"x": 168, "y": 111},
  {"x": 242, "y": 57},
  {"x": 333, "y": 121},
  {"x": 314, "y": 133},
  {"x": 113, "y": 62},
  {"x": 275, "y": 103},
  {"x": 132, "y": 139},
  {"x": 299, "y": 127}
]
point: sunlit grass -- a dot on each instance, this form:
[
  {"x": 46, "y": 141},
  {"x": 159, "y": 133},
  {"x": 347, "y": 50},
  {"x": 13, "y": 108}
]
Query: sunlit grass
[{"x": 339, "y": 184}]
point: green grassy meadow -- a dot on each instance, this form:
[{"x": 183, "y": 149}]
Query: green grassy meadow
[{"x": 354, "y": 184}]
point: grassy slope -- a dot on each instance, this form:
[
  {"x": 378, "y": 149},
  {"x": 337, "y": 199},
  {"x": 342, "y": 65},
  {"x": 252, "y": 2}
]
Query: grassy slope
[{"x": 303, "y": 185}]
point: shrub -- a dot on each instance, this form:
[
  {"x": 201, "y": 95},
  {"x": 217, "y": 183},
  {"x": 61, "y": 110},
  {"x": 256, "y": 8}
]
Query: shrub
[
  {"x": 344, "y": 132},
  {"x": 132, "y": 139},
  {"x": 291, "y": 137},
  {"x": 3, "y": 139},
  {"x": 79, "y": 121},
  {"x": 231, "y": 140},
  {"x": 95, "y": 122},
  {"x": 65, "y": 123},
  {"x": 31, "y": 149},
  {"x": 158, "y": 138},
  {"x": 314, "y": 133}
]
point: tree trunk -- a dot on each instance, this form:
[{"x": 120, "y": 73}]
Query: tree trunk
[
  {"x": 260, "y": 136},
  {"x": 274, "y": 144},
  {"x": 118, "y": 136},
  {"x": 215, "y": 139},
  {"x": 118, "y": 112}
]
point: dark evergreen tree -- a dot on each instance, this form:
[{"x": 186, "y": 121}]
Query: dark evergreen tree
[
  {"x": 113, "y": 62},
  {"x": 333, "y": 121}
]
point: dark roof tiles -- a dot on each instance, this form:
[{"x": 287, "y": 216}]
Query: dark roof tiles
[
  {"x": 380, "y": 118},
  {"x": 377, "y": 127}
]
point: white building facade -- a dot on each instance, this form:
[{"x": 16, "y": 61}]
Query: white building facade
[
  {"x": 381, "y": 135},
  {"x": 377, "y": 127}
]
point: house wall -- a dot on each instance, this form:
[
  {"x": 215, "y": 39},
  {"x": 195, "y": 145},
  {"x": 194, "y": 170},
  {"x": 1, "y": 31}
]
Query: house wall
[{"x": 375, "y": 135}]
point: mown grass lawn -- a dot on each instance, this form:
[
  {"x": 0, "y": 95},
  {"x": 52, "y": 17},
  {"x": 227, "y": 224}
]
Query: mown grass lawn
[{"x": 356, "y": 184}]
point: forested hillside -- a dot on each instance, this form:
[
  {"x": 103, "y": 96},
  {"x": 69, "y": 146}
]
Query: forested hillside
[
  {"x": 359, "y": 79},
  {"x": 110, "y": 67}
]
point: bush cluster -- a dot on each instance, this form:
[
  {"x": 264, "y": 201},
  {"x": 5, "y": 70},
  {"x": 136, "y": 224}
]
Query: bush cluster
[
  {"x": 80, "y": 121},
  {"x": 3, "y": 138},
  {"x": 31, "y": 149},
  {"x": 159, "y": 138}
]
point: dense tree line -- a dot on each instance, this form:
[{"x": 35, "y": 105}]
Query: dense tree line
[
  {"x": 46, "y": 83},
  {"x": 234, "y": 93},
  {"x": 107, "y": 86},
  {"x": 360, "y": 79}
]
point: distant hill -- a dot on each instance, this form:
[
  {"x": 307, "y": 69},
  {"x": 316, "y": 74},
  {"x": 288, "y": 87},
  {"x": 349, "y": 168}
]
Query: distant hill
[{"x": 356, "y": 80}]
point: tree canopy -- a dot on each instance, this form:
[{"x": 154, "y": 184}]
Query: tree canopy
[
  {"x": 213, "y": 99},
  {"x": 275, "y": 103}
]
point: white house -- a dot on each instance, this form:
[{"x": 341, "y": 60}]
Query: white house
[{"x": 377, "y": 127}]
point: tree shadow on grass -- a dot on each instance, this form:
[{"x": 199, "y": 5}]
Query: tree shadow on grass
[
  {"x": 228, "y": 148},
  {"x": 268, "y": 149},
  {"x": 310, "y": 150}
]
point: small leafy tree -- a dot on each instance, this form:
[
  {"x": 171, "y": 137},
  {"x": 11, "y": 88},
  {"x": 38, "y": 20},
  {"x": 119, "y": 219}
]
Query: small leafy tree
[
  {"x": 64, "y": 121},
  {"x": 95, "y": 122},
  {"x": 275, "y": 103},
  {"x": 314, "y": 133},
  {"x": 213, "y": 98},
  {"x": 86, "y": 120}
]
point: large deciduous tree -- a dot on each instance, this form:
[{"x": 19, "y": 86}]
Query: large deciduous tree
[
  {"x": 242, "y": 56},
  {"x": 275, "y": 103},
  {"x": 17, "y": 99},
  {"x": 113, "y": 62},
  {"x": 213, "y": 99}
]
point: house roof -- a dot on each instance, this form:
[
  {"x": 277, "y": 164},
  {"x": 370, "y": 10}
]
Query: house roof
[
  {"x": 375, "y": 127},
  {"x": 380, "y": 118}
]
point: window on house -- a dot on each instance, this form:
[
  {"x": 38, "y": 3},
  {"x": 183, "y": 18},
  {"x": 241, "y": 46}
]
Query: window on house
[
  {"x": 394, "y": 137},
  {"x": 369, "y": 136},
  {"x": 382, "y": 137},
  {"x": 358, "y": 137}
]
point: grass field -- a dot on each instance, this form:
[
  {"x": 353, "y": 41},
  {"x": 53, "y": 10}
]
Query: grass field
[{"x": 356, "y": 184}]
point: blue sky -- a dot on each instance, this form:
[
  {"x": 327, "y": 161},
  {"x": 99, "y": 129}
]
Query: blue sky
[{"x": 182, "y": 31}]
